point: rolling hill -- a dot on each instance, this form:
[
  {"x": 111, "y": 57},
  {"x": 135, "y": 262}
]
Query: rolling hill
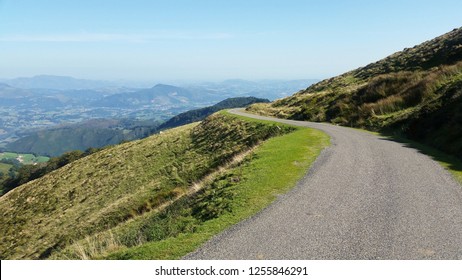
[
  {"x": 123, "y": 188},
  {"x": 416, "y": 92}
]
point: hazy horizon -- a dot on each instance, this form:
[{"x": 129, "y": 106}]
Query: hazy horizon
[
  {"x": 143, "y": 41},
  {"x": 152, "y": 82}
]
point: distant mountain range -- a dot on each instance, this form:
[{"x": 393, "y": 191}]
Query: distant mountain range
[
  {"x": 50, "y": 98},
  {"x": 271, "y": 89},
  {"x": 50, "y": 92},
  {"x": 158, "y": 95},
  {"x": 56, "y": 82}
]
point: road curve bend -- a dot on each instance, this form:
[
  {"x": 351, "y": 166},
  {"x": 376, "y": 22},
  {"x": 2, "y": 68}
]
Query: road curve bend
[{"x": 365, "y": 197}]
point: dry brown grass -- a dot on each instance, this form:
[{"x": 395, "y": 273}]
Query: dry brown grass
[{"x": 105, "y": 242}]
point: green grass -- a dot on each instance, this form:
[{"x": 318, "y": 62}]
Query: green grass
[
  {"x": 28, "y": 158},
  {"x": 274, "y": 168},
  {"x": 8, "y": 155},
  {"x": 41, "y": 159}
]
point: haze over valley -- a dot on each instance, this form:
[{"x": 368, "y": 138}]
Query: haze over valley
[{"x": 31, "y": 105}]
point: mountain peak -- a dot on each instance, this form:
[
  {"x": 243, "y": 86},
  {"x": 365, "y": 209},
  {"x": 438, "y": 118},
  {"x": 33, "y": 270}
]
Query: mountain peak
[{"x": 158, "y": 86}]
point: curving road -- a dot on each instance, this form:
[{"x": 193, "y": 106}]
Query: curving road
[{"x": 365, "y": 198}]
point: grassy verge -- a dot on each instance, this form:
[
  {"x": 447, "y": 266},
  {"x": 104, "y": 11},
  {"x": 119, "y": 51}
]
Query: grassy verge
[{"x": 272, "y": 169}]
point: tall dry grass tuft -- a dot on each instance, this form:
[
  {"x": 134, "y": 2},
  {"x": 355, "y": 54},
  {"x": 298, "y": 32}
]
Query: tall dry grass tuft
[
  {"x": 385, "y": 106},
  {"x": 393, "y": 92},
  {"x": 94, "y": 246}
]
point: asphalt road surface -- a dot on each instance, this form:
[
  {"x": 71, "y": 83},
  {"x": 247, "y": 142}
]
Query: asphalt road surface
[{"x": 365, "y": 197}]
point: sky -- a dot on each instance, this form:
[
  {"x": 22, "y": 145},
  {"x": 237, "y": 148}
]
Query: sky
[{"x": 211, "y": 40}]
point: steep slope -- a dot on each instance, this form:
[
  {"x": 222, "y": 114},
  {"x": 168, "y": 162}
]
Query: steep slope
[
  {"x": 202, "y": 113},
  {"x": 417, "y": 92},
  {"x": 116, "y": 185}
]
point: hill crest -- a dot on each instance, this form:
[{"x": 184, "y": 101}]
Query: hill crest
[{"x": 416, "y": 92}]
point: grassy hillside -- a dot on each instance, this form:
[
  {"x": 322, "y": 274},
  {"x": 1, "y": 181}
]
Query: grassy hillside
[
  {"x": 416, "y": 93},
  {"x": 127, "y": 183},
  {"x": 238, "y": 193}
]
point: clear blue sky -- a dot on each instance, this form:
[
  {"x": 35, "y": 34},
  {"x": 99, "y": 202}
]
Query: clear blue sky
[{"x": 211, "y": 40}]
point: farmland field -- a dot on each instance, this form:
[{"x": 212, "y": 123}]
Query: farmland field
[{"x": 24, "y": 158}]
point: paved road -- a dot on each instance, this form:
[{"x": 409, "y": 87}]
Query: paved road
[{"x": 365, "y": 198}]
